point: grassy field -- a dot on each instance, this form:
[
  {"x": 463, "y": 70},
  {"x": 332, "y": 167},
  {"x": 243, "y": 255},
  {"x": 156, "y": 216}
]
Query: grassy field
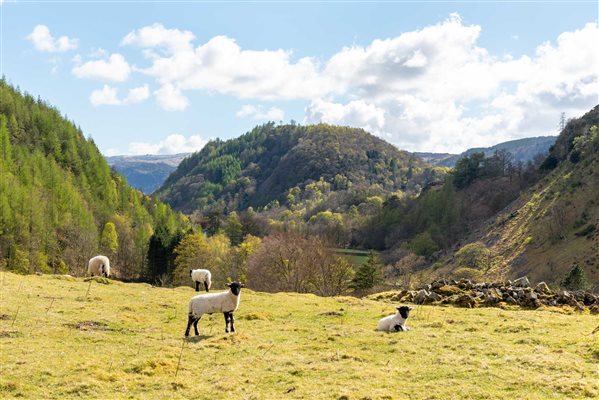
[
  {"x": 66, "y": 339},
  {"x": 357, "y": 257}
]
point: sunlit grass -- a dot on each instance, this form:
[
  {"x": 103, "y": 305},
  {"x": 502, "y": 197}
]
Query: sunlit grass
[{"x": 124, "y": 341}]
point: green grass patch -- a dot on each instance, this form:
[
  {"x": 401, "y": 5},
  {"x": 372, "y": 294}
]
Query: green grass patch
[{"x": 126, "y": 341}]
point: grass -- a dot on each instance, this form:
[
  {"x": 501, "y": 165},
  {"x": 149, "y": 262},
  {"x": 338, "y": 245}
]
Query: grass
[
  {"x": 356, "y": 257},
  {"x": 124, "y": 341}
]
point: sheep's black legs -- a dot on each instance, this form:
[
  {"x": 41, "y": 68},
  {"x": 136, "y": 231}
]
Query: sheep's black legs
[
  {"x": 227, "y": 316},
  {"x": 197, "y": 286},
  {"x": 195, "y": 326},
  {"x": 232, "y": 322},
  {"x": 206, "y": 286},
  {"x": 189, "y": 322},
  {"x": 192, "y": 320}
]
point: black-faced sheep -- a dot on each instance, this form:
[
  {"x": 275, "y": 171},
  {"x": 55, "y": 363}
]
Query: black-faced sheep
[
  {"x": 201, "y": 276},
  {"x": 396, "y": 322},
  {"x": 99, "y": 265},
  {"x": 225, "y": 302}
]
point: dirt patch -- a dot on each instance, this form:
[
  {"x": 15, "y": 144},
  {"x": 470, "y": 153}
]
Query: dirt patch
[
  {"x": 4, "y": 317},
  {"x": 9, "y": 333},
  {"x": 332, "y": 313},
  {"x": 91, "y": 326}
]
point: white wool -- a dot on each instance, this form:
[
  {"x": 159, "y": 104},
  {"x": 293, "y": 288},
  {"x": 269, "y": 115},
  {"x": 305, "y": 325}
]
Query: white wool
[
  {"x": 201, "y": 275},
  {"x": 213, "y": 303},
  {"x": 388, "y": 324},
  {"x": 94, "y": 266}
]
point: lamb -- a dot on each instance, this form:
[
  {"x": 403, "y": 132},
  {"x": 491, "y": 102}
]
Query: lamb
[
  {"x": 99, "y": 265},
  {"x": 396, "y": 322},
  {"x": 225, "y": 302},
  {"x": 201, "y": 275}
]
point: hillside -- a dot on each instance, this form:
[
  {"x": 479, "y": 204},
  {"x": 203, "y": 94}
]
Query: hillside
[
  {"x": 132, "y": 347},
  {"x": 60, "y": 203},
  {"x": 554, "y": 225},
  {"x": 147, "y": 172},
  {"x": 523, "y": 150},
  {"x": 262, "y": 166}
]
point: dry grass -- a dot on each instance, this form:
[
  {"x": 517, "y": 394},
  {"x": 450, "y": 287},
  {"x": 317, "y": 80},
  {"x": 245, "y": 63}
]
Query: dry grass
[{"x": 124, "y": 341}]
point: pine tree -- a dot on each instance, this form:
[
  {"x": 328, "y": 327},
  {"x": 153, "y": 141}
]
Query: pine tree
[
  {"x": 369, "y": 274},
  {"x": 576, "y": 279}
]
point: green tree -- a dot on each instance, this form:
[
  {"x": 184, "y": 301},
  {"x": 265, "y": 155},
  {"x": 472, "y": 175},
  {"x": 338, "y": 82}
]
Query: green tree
[
  {"x": 576, "y": 279},
  {"x": 234, "y": 229},
  {"x": 369, "y": 274},
  {"x": 109, "y": 241}
]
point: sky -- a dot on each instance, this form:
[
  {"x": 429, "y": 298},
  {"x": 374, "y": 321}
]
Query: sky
[{"x": 162, "y": 77}]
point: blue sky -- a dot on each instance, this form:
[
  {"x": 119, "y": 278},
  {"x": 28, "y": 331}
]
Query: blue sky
[{"x": 435, "y": 76}]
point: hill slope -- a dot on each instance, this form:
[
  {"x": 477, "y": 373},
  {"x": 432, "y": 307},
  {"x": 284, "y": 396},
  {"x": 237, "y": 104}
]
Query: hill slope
[
  {"x": 146, "y": 173},
  {"x": 60, "y": 203},
  {"x": 262, "y": 165},
  {"x": 523, "y": 151},
  {"x": 555, "y": 224},
  {"x": 287, "y": 346}
]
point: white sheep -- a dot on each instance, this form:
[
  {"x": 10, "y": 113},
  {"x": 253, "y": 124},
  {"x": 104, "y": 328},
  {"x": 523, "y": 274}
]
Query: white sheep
[
  {"x": 99, "y": 265},
  {"x": 201, "y": 276},
  {"x": 225, "y": 302},
  {"x": 396, "y": 322}
]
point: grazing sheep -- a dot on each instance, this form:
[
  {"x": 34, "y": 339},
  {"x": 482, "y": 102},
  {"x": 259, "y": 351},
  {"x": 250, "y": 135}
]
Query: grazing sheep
[
  {"x": 225, "y": 302},
  {"x": 396, "y": 322},
  {"x": 201, "y": 275},
  {"x": 99, "y": 265}
]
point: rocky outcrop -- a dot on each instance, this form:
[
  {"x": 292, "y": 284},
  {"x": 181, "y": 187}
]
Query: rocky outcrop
[{"x": 464, "y": 293}]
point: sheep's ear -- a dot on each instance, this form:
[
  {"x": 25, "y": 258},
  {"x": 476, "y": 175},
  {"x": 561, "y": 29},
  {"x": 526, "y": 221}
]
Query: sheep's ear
[
  {"x": 227, "y": 284},
  {"x": 397, "y": 308},
  {"x": 241, "y": 285}
]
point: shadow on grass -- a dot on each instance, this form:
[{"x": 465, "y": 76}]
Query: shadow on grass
[{"x": 196, "y": 339}]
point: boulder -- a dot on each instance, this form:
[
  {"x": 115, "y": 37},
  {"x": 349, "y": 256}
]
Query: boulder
[
  {"x": 542, "y": 288},
  {"x": 421, "y": 296},
  {"x": 447, "y": 290},
  {"x": 521, "y": 282}
]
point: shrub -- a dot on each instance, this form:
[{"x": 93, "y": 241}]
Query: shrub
[
  {"x": 575, "y": 279},
  {"x": 474, "y": 255},
  {"x": 369, "y": 274},
  {"x": 467, "y": 273}
]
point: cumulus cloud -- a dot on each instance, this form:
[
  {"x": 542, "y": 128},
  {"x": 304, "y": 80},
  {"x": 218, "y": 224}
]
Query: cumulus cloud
[
  {"x": 435, "y": 88},
  {"x": 43, "y": 40},
  {"x": 170, "y": 98},
  {"x": 173, "y": 144},
  {"x": 109, "y": 96},
  {"x": 258, "y": 113},
  {"x": 115, "y": 69}
]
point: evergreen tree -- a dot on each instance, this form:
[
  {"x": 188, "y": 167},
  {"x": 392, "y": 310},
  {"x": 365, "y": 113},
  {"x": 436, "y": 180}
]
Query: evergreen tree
[
  {"x": 369, "y": 274},
  {"x": 234, "y": 229},
  {"x": 109, "y": 242},
  {"x": 576, "y": 279}
]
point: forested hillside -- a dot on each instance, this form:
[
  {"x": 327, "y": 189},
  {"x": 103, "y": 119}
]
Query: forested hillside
[
  {"x": 60, "y": 203},
  {"x": 270, "y": 163}
]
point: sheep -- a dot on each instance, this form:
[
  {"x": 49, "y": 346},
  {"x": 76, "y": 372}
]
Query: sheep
[
  {"x": 99, "y": 265},
  {"x": 225, "y": 302},
  {"x": 201, "y": 275},
  {"x": 396, "y": 322}
]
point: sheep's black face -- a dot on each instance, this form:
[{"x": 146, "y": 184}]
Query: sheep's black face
[
  {"x": 190, "y": 271},
  {"x": 404, "y": 311},
  {"x": 235, "y": 287}
]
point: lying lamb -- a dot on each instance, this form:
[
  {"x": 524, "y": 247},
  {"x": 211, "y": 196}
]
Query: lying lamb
[
  {"x": 225, "y": 302},
  {"x": 396, "y": 322},
  {"x": 99, "y": 265},
  {"x": 201, "y": 275}
]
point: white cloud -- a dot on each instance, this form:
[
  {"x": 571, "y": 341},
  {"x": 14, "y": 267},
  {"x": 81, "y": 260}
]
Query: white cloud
[
  {"x": 431, "y": 89},
  {"x": 170, "y": 98},
  {"x": 173, "y": 144},
  {"x": 43, "y": 40},
  {"x": 115, "y": 69},
  {"x": 258, "y": 113},
  {"x": 109, "y": 96}
]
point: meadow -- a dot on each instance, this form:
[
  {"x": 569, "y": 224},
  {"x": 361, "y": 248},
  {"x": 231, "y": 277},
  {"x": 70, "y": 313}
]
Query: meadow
[{"x": 64, "y": 337}]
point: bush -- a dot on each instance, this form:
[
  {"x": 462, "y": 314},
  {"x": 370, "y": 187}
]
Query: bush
[
  {"x": 423, "y": 244},
  {"x": 468, "y": 273},
  {"x": 575, "y": 279},
  {"x": 369, "y": 274},
  {"x": 474, "y": 255}
]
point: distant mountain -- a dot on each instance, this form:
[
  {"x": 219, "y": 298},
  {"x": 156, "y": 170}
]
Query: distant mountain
[
  {"x": 523, "y": 150},
  {"x": 146, "y": 172},
  {"x": 262, "y": 166}
]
